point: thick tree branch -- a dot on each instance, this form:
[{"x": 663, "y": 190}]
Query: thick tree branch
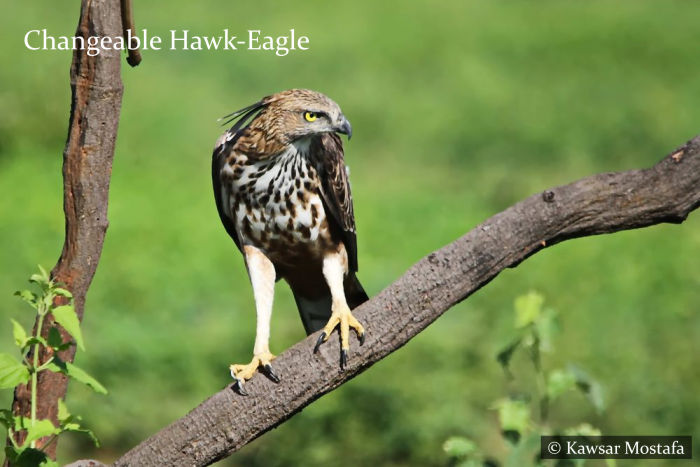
[
  {"x": 87, "y": 165},
  {"x": 603, "y": 203}
]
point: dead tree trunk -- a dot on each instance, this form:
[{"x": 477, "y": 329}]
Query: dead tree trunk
[
  {"x": 87, "y": 165},
  {"x": 599, "y": 204}
]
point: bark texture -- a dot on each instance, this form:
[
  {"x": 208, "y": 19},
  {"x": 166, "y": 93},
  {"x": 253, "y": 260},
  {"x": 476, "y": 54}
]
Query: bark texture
[
  {"x": 87, "y": 166},
  {"x": 603, "y": 203}
]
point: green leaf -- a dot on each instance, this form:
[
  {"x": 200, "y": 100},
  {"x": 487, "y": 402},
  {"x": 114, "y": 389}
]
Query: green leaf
[
  {"x": 459, "y": 446},
  {"x": 70, "y": 422},
  {"x": 471, "y": 463},
  {"x": 514, "y": 415},
  {"x": 559, "y": 382},
  {"x": 40, "y": 429},
  {"x": 28, "y": 296},
  {"x": 21, "y": 422},
  {"x": 28, "y": 457},
  {"x": 63, "y": 413},
  {"x": 505, "y": 355},
  {"x": 528, "y": 308},
  {"x": 64, "y": 292},
  {"x": 11, "y": 453},
  {"x": 78, "y": 374},
  {"x": 42, "y": 278},
  {"x": 12, "y": 372},
  {"x": 525, "y": 452},
  {"x": 54, "y": 338},
  {"x": 546, "y": 326},
  {"x": 55, "y": 341},
  {"x": 37, "y": 279},
  {"x": 19, "y": 334},
  {"x": 79, "y": 429},
  {"x": 590, "y": 387},
  {"x": 583, "y": 429},
  {"x": 65, "y": 316},
  {"x": 43, "y": 272},
  {"x": 6, "y": 419},
  {"x": 36, "y": 340}
]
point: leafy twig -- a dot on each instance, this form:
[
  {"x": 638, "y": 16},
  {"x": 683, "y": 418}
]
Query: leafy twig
[{"x": 13, "y": 372}]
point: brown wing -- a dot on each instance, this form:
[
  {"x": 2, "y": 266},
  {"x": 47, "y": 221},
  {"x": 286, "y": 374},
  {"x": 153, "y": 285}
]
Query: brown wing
[
  {"x": 221, "y": 152},
  {"x": 327, "y": 153},
  {"x": 224, "y": 146}
]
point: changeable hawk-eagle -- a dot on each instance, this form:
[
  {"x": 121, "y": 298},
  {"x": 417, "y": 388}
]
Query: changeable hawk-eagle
[{"x": 282, "y": 192}]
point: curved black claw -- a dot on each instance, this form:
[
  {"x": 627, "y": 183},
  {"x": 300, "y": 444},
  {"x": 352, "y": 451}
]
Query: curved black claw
[
  {"x": 241, "y": 389},
  {"x": 343, "y": 358},
  {"x": 267, "y": 370},
  {"x": 361, "y": 338},
  {"x": 319, "y": 341}
]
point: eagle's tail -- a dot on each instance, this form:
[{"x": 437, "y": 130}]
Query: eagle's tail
[
  {"x": 316, "y": 312},
  {"x": 355, "y": 295}
]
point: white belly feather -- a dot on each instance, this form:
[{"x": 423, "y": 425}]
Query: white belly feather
[{"x": 267, "y": 212}]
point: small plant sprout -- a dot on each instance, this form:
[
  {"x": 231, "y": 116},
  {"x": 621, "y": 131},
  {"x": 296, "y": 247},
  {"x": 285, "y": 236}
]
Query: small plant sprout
[
  {"x": 523, "y": 415},
  {"x": 25, "y": 370}
]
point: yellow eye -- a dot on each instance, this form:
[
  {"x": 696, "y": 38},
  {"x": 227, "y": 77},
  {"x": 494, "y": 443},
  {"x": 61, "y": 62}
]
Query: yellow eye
[{"x": 310, "y": 116}]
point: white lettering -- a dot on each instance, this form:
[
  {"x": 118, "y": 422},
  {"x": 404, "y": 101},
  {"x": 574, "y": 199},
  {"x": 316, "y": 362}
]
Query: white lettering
[
  {"x": 305, "y": 40},
  {"x": 253, "y": 38},
  {"x": 132, "y": 42},
  {"x": 268, "y": 44},
  {"x": 174, "y": 38},
  {"x": 212, "y": 42},
  {"x": 63, "y": 43},
  {"x": 229, "y": 41},
  {"x": 196, "y": 43},
  {"x": 51, "y": 39},
  {"x": 92, "y": 49},
  {"x": 282, "y": 49},
  {"x": 119, "y": 43},
  {"x": 26, "y": 39},
  {"x": 155, "y": 41},
  {"x": 39, "y": 39}
]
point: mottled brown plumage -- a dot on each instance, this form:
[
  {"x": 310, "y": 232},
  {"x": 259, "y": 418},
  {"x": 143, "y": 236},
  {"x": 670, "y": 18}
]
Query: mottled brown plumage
[{"x": 282, "y": 192}]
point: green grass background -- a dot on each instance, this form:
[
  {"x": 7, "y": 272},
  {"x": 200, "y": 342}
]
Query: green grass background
[{"x": 459, "y": 109}]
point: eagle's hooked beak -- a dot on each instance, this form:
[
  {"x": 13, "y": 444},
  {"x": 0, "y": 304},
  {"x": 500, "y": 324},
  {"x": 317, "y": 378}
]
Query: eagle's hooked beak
[{"x": 344, "y": 127}]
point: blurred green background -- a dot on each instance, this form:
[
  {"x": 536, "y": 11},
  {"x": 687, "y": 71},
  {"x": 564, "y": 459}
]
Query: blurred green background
[{"x": 459, "y": 109}]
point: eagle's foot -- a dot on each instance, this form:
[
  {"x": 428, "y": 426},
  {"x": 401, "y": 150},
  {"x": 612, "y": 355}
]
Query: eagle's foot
[
  {"x": 242, "y": 373},
  {"x": 346, "y": 321}
]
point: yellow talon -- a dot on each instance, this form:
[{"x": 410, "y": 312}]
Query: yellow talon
[
  {"x": 242, "y": 373},
  {"x": 346, "y": 320}
]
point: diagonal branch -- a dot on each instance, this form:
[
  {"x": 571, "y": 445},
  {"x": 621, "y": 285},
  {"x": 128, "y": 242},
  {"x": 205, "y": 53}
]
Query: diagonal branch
[{"x": 603, "y": 203}]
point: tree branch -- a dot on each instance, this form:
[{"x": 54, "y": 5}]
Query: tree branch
[
  {"x": 87, "y": 165},
  {"x": 134, "y": 55},
  {"x": 599, "y": 204}
]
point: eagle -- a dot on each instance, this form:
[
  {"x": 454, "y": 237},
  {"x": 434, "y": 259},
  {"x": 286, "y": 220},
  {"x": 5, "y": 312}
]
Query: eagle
[{"x": 282, "y": 192}]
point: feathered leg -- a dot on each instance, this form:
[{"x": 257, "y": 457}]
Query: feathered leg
[
  {"x": 262, "y": 277},
  {"x": 335, "y": 266}
]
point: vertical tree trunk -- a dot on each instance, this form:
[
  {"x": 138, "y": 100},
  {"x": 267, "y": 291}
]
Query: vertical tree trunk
[{"x": 87, "y": 165}]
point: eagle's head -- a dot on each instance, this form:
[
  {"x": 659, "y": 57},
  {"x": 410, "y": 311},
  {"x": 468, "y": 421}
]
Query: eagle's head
[{"x": 285, "y": 118}]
